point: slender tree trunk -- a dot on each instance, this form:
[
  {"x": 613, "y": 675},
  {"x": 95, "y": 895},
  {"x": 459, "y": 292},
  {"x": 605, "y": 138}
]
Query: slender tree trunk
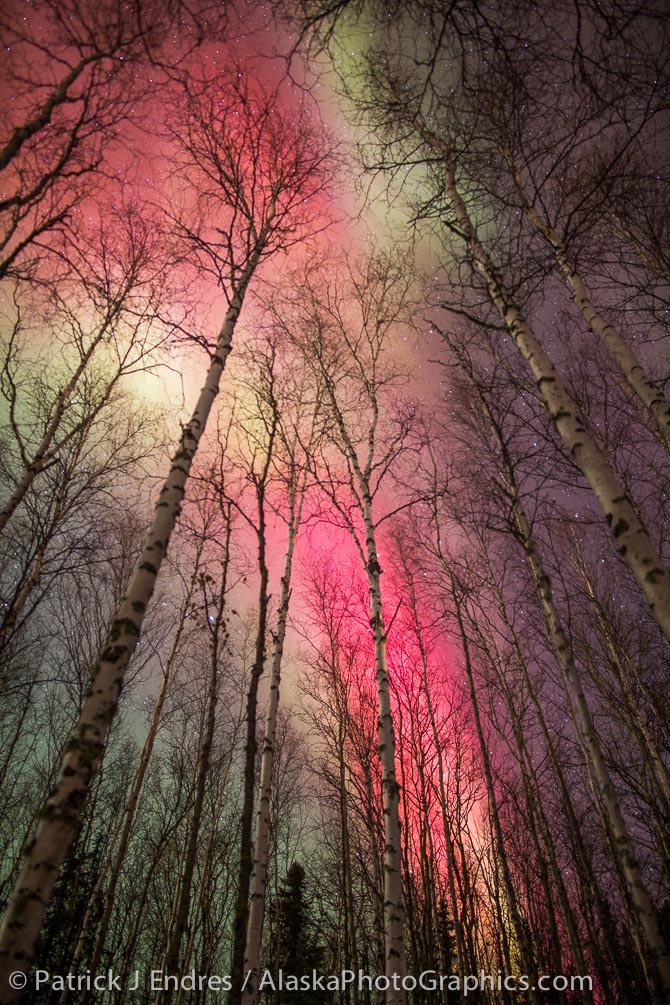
[
  {"x": 361, "y": 475},
  {"x": 132, "y": 939},
  {"x": 179, "y": 872},
  {"x": 410, "y": 899},
  {"x": 262, "y": 838},
  {"x": 204, "y": 889},
  {"x": 535, "y": 797},
  {"x": 10, "y": 749},
  {"x": 625, "y": 669},
  {"x": 19, "y": 601},
  {"x": 61, "y": 813},
  {"x": 502, "y": 935},
  {"x": 583, "y": 859},
  {"x": 431, "y": 912},
  {"x": 377, "y": 872},
  {"x": 560, "y": 641},
  {"x": 542, "y": 843},
  {"x": 250, "y": 749},
  {"x": 394, "y": 939},
  {"x": 446, "y": 828},
  {"x": 351, "y": 957}
]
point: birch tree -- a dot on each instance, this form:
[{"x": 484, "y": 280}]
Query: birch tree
[
  {"x": 409, "y": 94},
  {"x": 110, "y": 871},
  {"x": 259, "y": 425},
  {"x": 368, "y": 436},
  {"x": 507, "y": 495},
  {"x": 408, "y": 127},
  {"x": 423, "y": 641},
  {"x": 566, "y": 184},
  {"x": 289, "y": 399},
  {"x": 255, "y": 176}
]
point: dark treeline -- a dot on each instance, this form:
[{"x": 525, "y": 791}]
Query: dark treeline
[{"x": 334, "y": 582}]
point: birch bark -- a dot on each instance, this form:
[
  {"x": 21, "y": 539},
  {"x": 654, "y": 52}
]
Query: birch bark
[
  {"x": 346, "y": 354},
  {"x": 394, "y": 940},
  {"x": 360, "y": 475},
  {"x": 251, "y": 741}
]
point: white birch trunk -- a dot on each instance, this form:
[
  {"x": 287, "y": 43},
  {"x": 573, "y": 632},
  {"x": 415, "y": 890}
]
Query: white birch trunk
[
  {"x": 394, "y": 937},
  {"x": 262, "y": 839},
  {"x": 395, "y": 963},
  {"x": 60, "y": 815},
  {"x": 632, "y": 538}
]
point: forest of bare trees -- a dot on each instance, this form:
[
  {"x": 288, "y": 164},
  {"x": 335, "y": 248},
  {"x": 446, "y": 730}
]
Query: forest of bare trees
[{"x": 334, "y": 516}]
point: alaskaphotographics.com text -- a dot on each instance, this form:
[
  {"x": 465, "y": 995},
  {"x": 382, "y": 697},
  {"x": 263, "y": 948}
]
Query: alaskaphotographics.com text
[{"x": 280, "y": 980}]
